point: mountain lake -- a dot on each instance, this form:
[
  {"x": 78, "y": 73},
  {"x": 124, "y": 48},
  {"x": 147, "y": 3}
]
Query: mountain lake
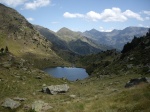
[{"x": 70, "y": 73}]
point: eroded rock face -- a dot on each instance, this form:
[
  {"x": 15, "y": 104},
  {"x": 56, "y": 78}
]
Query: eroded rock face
[
  {"x": 40, "y": 106},
  {"x": 137, "y": 81},
  {"x": 11, "y": 103},
  {"x": 55, "y": 89}
]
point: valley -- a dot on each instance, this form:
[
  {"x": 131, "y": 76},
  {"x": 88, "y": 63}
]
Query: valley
[{"x": 26, "y": 49}]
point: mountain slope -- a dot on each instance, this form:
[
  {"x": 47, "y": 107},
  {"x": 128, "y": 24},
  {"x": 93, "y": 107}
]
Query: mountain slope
[
  {"x": 135, "y": 58},
  {"x": 23, "y": 40},
  {"x": 76, "y": 37},
  {"x": 70, "y": 41},
  {"x": 116, "y": 38},
  {"x": 51, "y": 36}
]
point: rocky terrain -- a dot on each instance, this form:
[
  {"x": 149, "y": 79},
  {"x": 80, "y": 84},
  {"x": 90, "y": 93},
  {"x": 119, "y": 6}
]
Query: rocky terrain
[
  {"x": 23, "y": 40},
  {"x": 116, "y": 38}
]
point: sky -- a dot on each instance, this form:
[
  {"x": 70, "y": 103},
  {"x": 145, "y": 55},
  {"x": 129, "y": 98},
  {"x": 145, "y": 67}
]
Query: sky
[{"x": 82, "y": 15}]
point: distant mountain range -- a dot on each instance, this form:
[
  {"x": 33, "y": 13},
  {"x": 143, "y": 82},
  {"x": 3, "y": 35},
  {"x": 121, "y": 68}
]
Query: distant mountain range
[
  {"x": 135, "y": 57},
  {"x": 92, "y": 41},
  {"x": 21, "y": 36},
  {"x": 116, "y": 38},
  {"x": 75, "y": 42}
]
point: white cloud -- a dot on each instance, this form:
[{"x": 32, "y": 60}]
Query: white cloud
[
  {"x": 108, "y": 15},
  {"x": 30, "y": 19},
  {"x": 75, "y": 15},
  {"x": 12, "y": 2},
  {"x": 146, "y": 12},
  {"x": 130, "y": 14},
  {"x": 37, "y": 3},
  {"x": 113, "y": 14},
  {"x": 103, "y": 30},
  {"x": 93, "y": 16}
]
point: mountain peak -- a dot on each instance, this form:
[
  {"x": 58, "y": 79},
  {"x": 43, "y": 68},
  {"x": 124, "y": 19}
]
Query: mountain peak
[
  {"x": 93, "y": 29},
  {"x": 64, "y": 29}
]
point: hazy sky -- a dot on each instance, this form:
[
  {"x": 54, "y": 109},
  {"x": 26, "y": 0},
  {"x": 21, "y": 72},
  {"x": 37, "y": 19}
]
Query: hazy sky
[{"x": 81, "y": 15}]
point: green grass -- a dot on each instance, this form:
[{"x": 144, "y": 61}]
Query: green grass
[{"x": 92, "y": 95}]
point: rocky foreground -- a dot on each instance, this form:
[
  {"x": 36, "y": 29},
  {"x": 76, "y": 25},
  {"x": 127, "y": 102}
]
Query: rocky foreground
[{"x": 26, "y": 89}]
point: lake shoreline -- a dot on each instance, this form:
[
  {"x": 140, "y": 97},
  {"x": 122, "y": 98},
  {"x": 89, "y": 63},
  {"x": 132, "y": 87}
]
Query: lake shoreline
[{"x": 69, "y": 73}]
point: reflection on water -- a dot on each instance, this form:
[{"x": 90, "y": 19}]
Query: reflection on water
[{"x": 71, "y": 74}]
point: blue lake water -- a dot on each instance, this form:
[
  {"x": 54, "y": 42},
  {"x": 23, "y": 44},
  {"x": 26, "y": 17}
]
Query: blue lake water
[{"x": 71, "y": 74}]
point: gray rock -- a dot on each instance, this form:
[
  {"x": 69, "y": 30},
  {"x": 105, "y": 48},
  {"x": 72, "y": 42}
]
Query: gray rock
[
  {"x": 72, "y": 96},
  {"x": 22, "y": 62},
  {"x": 130, "y": 66},
  {"x": 38, "y": 77},
  {"x": 19, "y": 99},
  {"x": 11, "y": 103},
  {"x": 148, "y": 79},
  {"x": 136, "y": 81},
  {"x": 25, "y": 69},
  {"x": 55, "y": 89},
  {"x": 40, "y": 106},
  {"x": 44, "y": 85}
]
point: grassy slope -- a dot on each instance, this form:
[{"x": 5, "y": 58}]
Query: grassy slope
[
  {"x": 24, "y": 41},
  {"x": 92, "y": 95}
]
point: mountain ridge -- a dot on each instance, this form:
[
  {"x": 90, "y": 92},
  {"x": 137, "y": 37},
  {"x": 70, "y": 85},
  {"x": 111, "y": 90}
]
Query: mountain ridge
[
  {"x": 115, "y": 38},
  {"x": 73, "y": 41}
]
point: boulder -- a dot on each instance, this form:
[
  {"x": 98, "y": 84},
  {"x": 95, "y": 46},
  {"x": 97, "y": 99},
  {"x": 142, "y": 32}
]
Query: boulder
[
  {"x": 11, "y": 103},
  {"x": 40, "y": 106},
  {"x": 137, "y": 81},
  {"x": 55, "y": 89}
]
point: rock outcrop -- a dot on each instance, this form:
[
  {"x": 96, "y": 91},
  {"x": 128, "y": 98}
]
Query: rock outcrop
[
  {"x": 40, "y": 106},
  {"x": 55, "y": 89},
  {"x": 137, "y": 81},
  {"x": 9, "y": 103}
]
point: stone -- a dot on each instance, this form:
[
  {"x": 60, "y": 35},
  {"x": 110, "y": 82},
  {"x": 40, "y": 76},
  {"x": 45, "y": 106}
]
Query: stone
[
  {"x": 136, "y": 81},
  {"x": 55, "y": 89},
  {"x": 1, "y": 79},
  {"x": 25, "y": 69},
  {"x": 38, "y": 77},
  {"x": 40, "y": 106},
  {"x": 72, "y": 96},
  {"x": 22, "y": 62},
  {"x": 11, "y": 103},
  {"x": 19, "y": 99},
  {"x": 7, "y": 65},
  {"x": 44, "y": 85},
  {"x": 129, "y": 66},
  {"x": 148, "y": 79}
]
